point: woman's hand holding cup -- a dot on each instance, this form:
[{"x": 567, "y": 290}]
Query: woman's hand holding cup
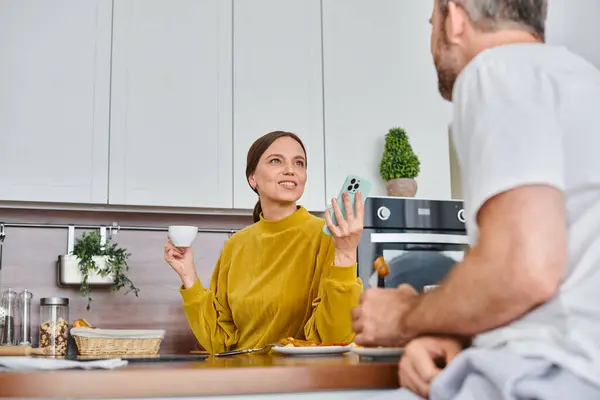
[{"x": 179, "y": 255}]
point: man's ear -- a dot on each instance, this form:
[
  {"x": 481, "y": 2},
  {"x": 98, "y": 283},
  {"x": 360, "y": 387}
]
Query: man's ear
[{"x": 456, "y": 23}]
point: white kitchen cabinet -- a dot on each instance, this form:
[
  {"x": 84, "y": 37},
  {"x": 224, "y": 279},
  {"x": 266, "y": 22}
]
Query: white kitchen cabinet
[
  {"x": 277, "y": 85},
  {"x": 171, "y": 115},
  {"x": 54, "y": 100},
  {"x": 378, "y": 73}
]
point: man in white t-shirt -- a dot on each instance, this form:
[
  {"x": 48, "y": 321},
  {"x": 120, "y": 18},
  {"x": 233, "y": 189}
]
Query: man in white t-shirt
[{"x": 525, "y": 301}]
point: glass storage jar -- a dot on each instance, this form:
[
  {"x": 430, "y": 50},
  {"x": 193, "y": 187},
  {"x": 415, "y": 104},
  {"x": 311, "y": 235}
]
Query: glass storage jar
[{"x": 54, "y": 325}]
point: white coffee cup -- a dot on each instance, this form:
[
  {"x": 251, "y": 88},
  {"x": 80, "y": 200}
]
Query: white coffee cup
[{"x": 183, "y": 235}]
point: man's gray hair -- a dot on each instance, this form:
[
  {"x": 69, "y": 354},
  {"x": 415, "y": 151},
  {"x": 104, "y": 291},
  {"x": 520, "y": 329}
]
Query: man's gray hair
[{"x": 491, "y": 15}]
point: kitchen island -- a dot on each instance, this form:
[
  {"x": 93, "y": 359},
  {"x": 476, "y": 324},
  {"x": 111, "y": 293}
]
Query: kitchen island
[{"x": 251, "y": 376}]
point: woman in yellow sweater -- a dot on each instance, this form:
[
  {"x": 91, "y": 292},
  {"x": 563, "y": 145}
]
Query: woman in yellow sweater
[{"x": 281, "y": 276}]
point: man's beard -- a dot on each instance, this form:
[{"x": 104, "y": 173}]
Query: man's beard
[{"x": 447, "y": 69}]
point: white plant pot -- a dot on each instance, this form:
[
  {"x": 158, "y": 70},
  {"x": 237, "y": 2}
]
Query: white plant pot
[{"x": 69, "y": 273}]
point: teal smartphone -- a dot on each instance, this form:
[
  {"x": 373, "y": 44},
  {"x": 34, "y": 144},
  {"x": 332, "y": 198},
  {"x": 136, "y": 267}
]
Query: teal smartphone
[{"x": 351, "y": 185}]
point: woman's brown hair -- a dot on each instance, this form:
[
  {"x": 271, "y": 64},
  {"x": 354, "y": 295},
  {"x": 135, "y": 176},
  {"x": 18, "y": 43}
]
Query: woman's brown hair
[{"x": 256, "y": 151}]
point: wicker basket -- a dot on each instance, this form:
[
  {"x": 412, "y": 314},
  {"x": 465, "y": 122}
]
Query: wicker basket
[{"x": 93, "y": 343}]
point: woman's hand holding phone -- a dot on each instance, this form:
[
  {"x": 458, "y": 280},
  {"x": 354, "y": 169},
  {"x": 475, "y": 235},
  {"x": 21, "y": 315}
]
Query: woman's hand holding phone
[{"x": 346, "y": 234}]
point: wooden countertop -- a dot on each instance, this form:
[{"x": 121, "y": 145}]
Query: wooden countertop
[{"x": 242, "y": 374}]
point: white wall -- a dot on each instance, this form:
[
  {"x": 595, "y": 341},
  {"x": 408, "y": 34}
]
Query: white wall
[
  {"x": 574, "y": 24},
  {"x": 378, "y": 73}
]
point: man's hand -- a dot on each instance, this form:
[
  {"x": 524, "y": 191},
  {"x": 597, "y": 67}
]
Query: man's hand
[
  {"x": 423, "y": 359},
  {"x": 378, "y": 318}
]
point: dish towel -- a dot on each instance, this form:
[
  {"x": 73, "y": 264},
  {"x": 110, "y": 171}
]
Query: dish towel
[{"x": 35, "y": 363}]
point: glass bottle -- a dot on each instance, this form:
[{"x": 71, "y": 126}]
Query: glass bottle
[
  {"x": 24, "y": 302},
  {"x": 54, "y": 325},
  {"x": 9, "y": 304}
]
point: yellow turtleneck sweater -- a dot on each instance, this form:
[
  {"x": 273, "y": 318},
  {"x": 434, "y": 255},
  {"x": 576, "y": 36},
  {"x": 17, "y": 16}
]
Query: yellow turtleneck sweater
[{"x": 274, "y": 279}]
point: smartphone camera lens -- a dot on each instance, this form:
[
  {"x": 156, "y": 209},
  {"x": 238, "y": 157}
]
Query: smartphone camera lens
[
  {"x": 353, "y": 181},
  {"x": 356, "y": 186},
  {"x": 349, "y": 187}
]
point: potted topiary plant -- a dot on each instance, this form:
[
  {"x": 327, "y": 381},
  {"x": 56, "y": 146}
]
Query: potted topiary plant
[
  {"x": 399, "y": 164},
  {"x": 107, "y": 261}
]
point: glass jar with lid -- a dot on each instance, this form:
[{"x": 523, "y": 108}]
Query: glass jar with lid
[{"x": 54, "y": 325}]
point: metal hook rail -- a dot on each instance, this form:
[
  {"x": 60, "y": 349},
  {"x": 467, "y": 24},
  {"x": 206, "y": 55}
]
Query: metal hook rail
[{"x": 112, "y": 228}]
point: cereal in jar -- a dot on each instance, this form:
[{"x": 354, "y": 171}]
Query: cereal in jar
[{"x": 54, "y": 325}]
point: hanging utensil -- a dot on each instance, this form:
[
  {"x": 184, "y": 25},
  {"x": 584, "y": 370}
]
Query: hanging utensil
[
  {"x": 2, "y": 237},
  {"x": 2, "y": 310}
]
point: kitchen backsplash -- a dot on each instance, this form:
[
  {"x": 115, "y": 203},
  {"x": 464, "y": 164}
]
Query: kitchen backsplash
[{"x": 30, "y": 256}]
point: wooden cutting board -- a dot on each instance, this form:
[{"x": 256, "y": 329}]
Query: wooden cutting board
[{"x": 20, "y": 351}]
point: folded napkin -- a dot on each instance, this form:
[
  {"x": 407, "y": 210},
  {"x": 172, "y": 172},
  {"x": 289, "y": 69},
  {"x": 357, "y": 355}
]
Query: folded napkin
[
  {"x": 35, "y": 363},
  {"x": 119, "y": 333}
]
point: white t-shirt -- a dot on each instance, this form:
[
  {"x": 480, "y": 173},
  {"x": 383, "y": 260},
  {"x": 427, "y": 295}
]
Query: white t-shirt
[{"x": 530, "y": 113}]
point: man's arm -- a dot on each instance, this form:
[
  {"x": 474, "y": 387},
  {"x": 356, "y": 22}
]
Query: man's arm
[
  {"x": 517, "y": 265},
  {"x": 510, "y": 145},
  {"x": 511, "y": 151}
]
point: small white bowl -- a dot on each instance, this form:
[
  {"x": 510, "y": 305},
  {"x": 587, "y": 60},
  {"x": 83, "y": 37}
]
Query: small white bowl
[{"x": 183, "y": 235}]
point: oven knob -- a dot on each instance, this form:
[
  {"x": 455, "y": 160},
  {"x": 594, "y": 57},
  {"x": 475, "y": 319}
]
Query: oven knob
[
  {"x": 383, "y": 213},
  {"x": 461, "y": 215}
]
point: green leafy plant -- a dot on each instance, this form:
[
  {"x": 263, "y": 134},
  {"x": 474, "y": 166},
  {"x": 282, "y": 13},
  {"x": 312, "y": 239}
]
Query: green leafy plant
[
  {"x": 399, "y": 159},
  {"x": 89, "y": 246}
]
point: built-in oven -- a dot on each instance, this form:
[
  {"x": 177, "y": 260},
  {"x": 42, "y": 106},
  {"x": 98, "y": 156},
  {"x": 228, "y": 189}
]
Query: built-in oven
[{"x": 421, "y": 240}]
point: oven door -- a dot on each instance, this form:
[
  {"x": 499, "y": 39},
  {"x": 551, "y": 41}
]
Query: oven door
[{"x": 416, "y": 258}]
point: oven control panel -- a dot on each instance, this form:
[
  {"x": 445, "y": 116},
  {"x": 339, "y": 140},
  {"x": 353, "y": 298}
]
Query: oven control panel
[{"x": 409, "y": 213}]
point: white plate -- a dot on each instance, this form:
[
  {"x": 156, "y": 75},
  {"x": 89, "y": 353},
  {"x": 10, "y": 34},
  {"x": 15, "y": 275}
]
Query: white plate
[
  {"x": 311, "y": 350},
  {"x": 377, "y": 351}
]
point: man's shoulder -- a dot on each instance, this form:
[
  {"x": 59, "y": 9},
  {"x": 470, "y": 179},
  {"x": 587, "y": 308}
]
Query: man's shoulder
[
  {"x": 525, "y": 66},
  {"x": 495, "y": 68}
]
